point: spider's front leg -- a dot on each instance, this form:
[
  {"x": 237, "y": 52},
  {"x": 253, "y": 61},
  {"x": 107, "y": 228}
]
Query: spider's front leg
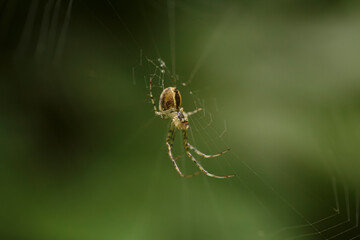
[
  {"x": 152, "y": 99},
  {"x": 195, "y": 111},
  {"x": 187, "y": 146},
  {"x": 169, "y": 143}
]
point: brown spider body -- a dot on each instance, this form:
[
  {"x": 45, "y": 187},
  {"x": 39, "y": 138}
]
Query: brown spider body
[
  {"x": 170, "y": 98},
  {"x": 170, "y": 107},
  {"x": 170, "y": 103}
]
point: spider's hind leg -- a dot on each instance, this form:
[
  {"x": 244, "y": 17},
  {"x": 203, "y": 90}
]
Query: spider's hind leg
[
  {"x": 169, "y": 143},
  {"x": 187, "y": 146},
  {"x": 206, "y": 155}
]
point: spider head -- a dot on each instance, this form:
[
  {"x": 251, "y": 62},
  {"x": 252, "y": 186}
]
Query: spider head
[{"x": 181, "y": 121}]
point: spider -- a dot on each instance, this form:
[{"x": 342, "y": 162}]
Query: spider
[{"x": 170, "y": 107}]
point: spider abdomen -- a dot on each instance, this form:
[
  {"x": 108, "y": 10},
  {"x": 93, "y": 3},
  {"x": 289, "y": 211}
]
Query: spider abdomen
[{"x": 170, "y": 98}]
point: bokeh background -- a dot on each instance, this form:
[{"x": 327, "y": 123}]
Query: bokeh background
[{"x": 84, "y": 157}]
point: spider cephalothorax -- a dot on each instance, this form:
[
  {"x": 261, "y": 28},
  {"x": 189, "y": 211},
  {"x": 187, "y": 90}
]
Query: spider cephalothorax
[{"x": 170, "y": 107}]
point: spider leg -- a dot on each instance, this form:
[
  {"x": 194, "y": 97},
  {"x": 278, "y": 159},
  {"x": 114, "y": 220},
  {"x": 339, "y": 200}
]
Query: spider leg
[
  {"x": 152, "y": 98},
  {"x": 205, "y": 155},
  {"x": 169, "y": 143},
  {"x": 186, "y": 146},
  {"x": 195, "y": 111}
]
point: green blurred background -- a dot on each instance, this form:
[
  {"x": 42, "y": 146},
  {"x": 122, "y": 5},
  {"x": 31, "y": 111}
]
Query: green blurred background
[{"x": 84, "y": 157}]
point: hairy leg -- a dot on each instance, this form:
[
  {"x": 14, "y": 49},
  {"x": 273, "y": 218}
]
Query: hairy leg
[
  {"x": 169, "y": 143},
  {"x": 206, "y": 155},
  {"x": 186, "y": 146},
  {"x": 152, "y": 99},
  {"x": 195, "y": 111}
]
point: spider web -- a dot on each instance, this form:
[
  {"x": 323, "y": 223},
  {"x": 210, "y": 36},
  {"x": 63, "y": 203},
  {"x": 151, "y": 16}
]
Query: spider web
[
  {"x": 294, "y": 203},
  {"x": 336, "y": 207}
]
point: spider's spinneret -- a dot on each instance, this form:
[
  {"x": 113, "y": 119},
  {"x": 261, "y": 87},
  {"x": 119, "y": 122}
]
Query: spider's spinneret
[{"x": 170, "y": 102}]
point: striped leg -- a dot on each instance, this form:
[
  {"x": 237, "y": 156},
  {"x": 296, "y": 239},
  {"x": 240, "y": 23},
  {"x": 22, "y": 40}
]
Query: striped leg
[
  {"x": 205, "y": 155},
  {"x": 186, "y": 146},
  {"x": 169, "y": 143},
  {"x": 152, "y": 98},
  {"x": 195, "y": 111}
]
